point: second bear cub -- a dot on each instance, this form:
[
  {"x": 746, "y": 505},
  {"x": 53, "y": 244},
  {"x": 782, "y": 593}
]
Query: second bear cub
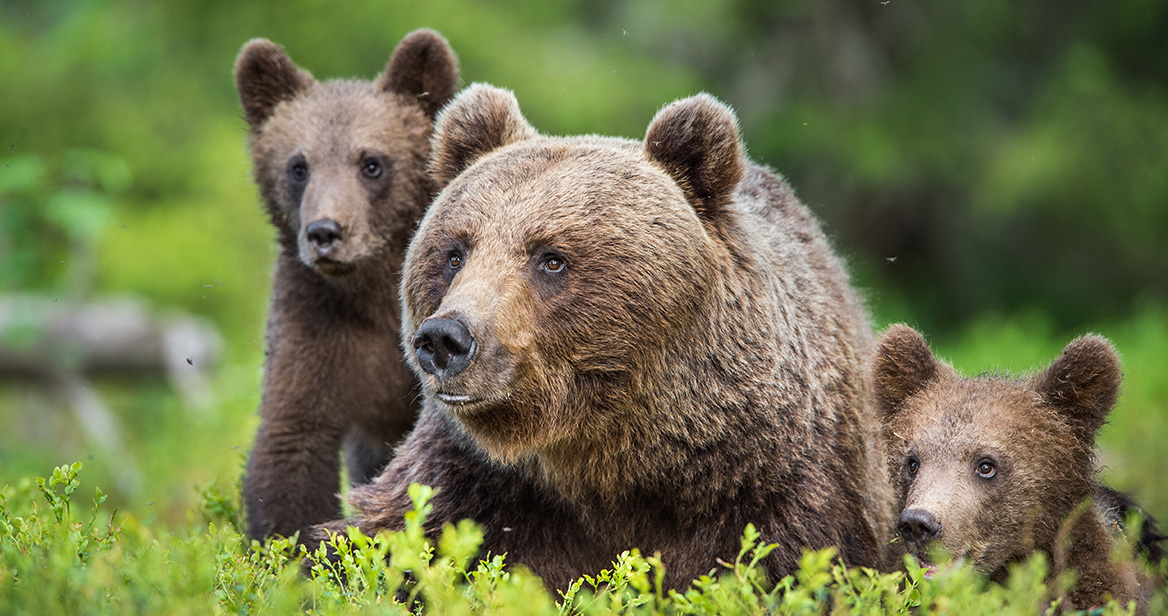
[{"x": 991, "y": 469}]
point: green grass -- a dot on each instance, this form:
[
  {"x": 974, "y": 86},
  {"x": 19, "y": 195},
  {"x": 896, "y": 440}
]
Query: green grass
[{"x": 61, "y": 553}]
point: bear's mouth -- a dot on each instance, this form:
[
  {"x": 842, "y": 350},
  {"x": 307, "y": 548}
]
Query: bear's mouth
[
  {"x": 456, "y": 399},
  {"x": 466, "y": 405},
  {"x": 332, "y": 267},
  {"x": 938, "y": 563}
]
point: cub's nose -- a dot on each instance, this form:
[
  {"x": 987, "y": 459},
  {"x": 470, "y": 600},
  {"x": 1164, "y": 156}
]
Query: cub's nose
[
  {"x": 918, "y": 526},
  {"x": 323, "y": 234},
  {"x": 444, "y": 347}
]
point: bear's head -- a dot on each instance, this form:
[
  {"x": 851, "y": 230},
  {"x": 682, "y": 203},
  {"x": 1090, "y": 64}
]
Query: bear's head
[
  {"x": 341, "y": 164},
  {"x": 986, "y": 469},
  {"x": 550, "y": 275}
]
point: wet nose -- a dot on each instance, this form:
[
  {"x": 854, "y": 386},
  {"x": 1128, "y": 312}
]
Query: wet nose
[
  {"x": 324, "y": 233},
  {"x": 918, "y": 525},
  {"x": 444, "y": 347}
]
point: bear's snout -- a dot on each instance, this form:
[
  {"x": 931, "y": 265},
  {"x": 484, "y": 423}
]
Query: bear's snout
[
  {"x": 918, "y": 526},
  {"x": 444, "y": 347},
  {"x": 324, "y": 234}
]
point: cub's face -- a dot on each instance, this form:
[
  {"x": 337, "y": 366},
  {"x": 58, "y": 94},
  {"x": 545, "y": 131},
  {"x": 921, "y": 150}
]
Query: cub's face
[
  {"x": 344, "y": 166},
  {"x": 987, "y": 469},
  {"x": 341, "y": 164},
  {"x": 547, "y": 276},
  {"x": 983, "y": 473}
]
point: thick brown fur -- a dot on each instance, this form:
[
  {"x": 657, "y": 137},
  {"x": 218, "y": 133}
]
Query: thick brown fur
[
  {"x": 666, "y": 349},
  {"x": 333, "y": 372},
  {"x": 1003, "y": 467}
]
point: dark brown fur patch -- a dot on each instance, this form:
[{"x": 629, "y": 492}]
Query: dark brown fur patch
[
  {"x": 1083, "y": 382},
  {"x": 266, "y": 77},
  {"x": 696, "y": 142},
  {"x": 487, "y": 118},
  {"x": 903, "y": 366},
  {"x": 423, "y": 66}
]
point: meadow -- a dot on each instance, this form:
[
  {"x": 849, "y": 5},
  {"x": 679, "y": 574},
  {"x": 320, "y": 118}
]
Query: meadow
[{"x": 994, "y": 175}]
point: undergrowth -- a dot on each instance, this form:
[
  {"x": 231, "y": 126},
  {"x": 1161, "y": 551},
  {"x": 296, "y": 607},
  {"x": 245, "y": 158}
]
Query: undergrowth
[{"x": 61, "y": 553}]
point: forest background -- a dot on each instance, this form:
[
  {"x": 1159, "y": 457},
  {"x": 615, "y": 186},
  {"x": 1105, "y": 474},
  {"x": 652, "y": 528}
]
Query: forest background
[{"x": 995, "y": 173}]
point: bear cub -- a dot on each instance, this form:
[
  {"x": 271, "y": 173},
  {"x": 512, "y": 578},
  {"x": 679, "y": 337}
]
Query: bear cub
[
  {"x": 630, "y": 343},
  {"x": 340, "y": 166},
  {"x": 989, "y": 469}
]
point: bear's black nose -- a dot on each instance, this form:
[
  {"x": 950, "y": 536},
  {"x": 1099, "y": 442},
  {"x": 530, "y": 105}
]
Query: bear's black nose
[
  {"x": 323, "y": 234},
  {"x": 918, "y": 526},
  {"x": 444, "y": 347}
]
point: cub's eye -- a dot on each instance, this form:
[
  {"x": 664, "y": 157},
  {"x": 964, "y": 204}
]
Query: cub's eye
[
  {"x": 455, "y": 261},
  {"x": 298, "y": 170},
  {"x": 986, "y": 469},
  {"x": 912, "y": 466},
  {"x": 554, "y": 264},
  {"x": 371, "y": 168}
]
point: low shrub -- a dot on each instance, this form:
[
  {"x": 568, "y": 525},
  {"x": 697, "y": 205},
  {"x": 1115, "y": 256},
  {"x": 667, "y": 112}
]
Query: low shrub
[{"x": 59, "y": 557}]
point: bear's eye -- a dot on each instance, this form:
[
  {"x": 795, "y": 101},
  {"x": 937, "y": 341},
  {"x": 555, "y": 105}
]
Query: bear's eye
[
  {"x": 912, "y": 466},
  {"x": 298, "y": 170},
  {"x": 554, "y": 264},
  {"x": 455, "y": 261},
  {"x": 986, "y": 469},
  {"x": 371, "y": 168}
]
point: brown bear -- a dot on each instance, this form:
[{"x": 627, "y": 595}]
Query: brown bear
[
  {"x": 630, "y": 344},
  {"x": 988, "y": 470},
  {"x": 341, "y": 166}
]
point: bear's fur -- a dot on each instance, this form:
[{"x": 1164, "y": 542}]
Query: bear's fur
[
  {"x": 630, "y": 344},
  {"x": 990, "y": 469},
  {"x": 341, "y": 167}
]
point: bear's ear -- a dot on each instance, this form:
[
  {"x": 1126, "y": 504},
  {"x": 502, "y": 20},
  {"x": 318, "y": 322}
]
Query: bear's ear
[
  {"x": 1082, "y": 383},
  {"x": 265, "y": 77},
  {"x": 903, "y": 366},
  {"x": 480, "y": 119},
  {"x": 695, "y": 140},
  {"x": 423, "y": 67}
]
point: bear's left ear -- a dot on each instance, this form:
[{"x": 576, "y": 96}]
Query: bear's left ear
[
  {"x": 696, "y": 141},
  {"x": 903, "y": 365},
  {"x": 265, "y": 77},
  {"x": 480, "y": 119},
  {"x": 423, "y": 67},
  {"x": 1083, "y": 383}
]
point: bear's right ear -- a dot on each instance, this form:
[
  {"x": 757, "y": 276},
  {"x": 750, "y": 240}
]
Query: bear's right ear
[
  {"x": 480, "y": 119},
  {"x": 266, "y": 77},
  {"x": 903, "y": 366},
  {"x": 1083, "y": 383},
  {"x": 423, "y": 67},
  {"x": 695, "y": 140}
]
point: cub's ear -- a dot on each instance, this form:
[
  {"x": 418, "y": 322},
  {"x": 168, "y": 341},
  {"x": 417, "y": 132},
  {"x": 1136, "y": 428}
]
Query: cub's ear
[
  {"x": 480, "y": 119},
  {"x": 265, "y": 77},
  {"x": 424, "y": 67},
  {"x": 903, "y": 365},
  {"x": 1083, "y": 383},
  {"x": 695, "y": 140}
]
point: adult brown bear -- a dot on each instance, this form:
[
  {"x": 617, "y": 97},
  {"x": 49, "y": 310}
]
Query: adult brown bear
[{"x": 630, "y": 344}]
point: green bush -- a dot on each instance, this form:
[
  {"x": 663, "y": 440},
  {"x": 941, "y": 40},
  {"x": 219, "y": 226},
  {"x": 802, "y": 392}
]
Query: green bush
[{"x": 59, "y": 558}]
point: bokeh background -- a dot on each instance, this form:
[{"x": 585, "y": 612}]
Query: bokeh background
[{"x": 995, "y": 172}]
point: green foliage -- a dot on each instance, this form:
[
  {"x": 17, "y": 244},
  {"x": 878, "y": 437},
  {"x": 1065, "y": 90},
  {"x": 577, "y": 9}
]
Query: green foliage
[
  {"x": 54, "y": 560},
  {"x": 52, "y": 214}
]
